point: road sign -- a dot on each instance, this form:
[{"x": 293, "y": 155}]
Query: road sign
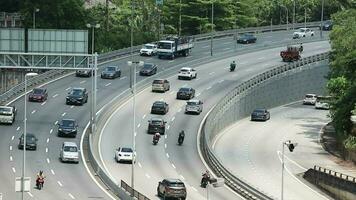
[
  {"x": 159, "y": 2},
  {"x": 18, "y": 184}
]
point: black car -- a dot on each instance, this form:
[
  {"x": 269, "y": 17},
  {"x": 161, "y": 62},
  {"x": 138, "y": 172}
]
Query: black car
[
  {"x": 156, "y": 125},
  {"x": 31, "y": 142},
  {"x": 172, "y": 188},
  {"x": 185, "y": 93},
  {"x": 247, "y": 38},
  {"x": 260, "y": 114},
  {"x": 327, "y": 26},
  {"x": 159, "y": 107},
  {"x": 111, "y": 72},
  {"x": 77, "y": 96},
  {"x": 38, "y": 94},
  {"x": 67, "y": 128},
  {"x": 148, "y": 69},
  {"x": 83, "y": 73}
]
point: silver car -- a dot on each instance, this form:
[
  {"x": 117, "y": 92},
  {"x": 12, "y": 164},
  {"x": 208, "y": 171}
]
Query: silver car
[
  {"x": 69, "y": 152},
  {"x": 160, "y": 85},
  {"x": 194, "y": 106}
]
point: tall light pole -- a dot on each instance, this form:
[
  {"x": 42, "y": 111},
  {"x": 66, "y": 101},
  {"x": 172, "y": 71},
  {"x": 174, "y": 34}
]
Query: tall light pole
[
  {"x": 133, "y": 90},
  {"x": 180, "y": 17},
  {"x": 24, "y": 136},
  {"x": 34, "y": 16},
  {"x": 287, "y": 14},
  {"x": 212, "y": 28},
  {"x": 305, "y": 17},
  {"x": 93, "y": 26},
  {"x": 322, "y": 18},
  {"x": 291, "y": 147},
  {"x": 293, "y": 13}
]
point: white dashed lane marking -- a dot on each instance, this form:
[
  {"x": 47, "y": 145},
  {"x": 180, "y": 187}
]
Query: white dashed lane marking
[
  {"x": 18, "y": 128},
  {"x": 68, "y": 89},
  {"x": 10, "y": 148},
  {"x": 33, "y": 112},
  {"x": 144, "y": 116},
  {"x": 171, "y": 61},
  {"x": 226, "y": 49},
  {"x": 54, "y": 96},
  {"x": 52, "y": 172},
  {"x": 13, "y": 137},
  {"x": 139, "y": 164},
  {"x": 14, "y": 170},
  {"x": 71, "y": 196},
  {"x": 165, "y": 145},
  {"x": 63, "y": 114},
  {"x": 260, "y": 58},
  {"x": 11, "y": 159},
  {"x": 123, "y": 78},
  {"x": 107, "y": 84},
  {"x": 30, "y": 194},
  {"x": 48, "y": 160},
  {"x": 138, "y": 126},
  {"x": 211, "y": 73},
  {"x": 204, "y": 47},
  {"x": 171, "y": 92},
  {"x": 208, "y": 88},
  {"x": 194, "y": 189},
  {"x": 50, "y": 131},
  {"x": 168, "y": 127},
  {"x": 59, "y": 183},
  {"x": 55, "y": 123},
  {"x": 46, "y": 150},
  {"x": 173, "y": 119},
  {"x": 47, "y": 140},
  {"x": 173, "y": 166},
  {"x": 42, "y": 104},
  {"x": 81, "y": 82},
  {"x": 148, "y": 176},
  {"x": 167, "y": 155},
  {"x": 71, "y": 106}
]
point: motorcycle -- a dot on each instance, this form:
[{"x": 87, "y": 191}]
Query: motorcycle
[
  {"x": 232, "y": 67},
  {"x": 204, "y": 182},
  {"x": 155, "y": 141},
  {"x": 39, "y": 183},
  {"x": 180, "y": 140}
]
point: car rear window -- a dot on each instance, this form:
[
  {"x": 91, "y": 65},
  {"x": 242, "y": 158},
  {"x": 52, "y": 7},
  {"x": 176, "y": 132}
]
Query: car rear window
[
  {"x": 70, "y": 149},
  {"x": 176, "y": 184},
  {"x": 147, "y": 66},
  {"x": 128, "y": 150},
  {"x": 5, "y": 110},
  {"x": 192, "y": 103},
  {"x": 156, "y": 122},
  {"x": 158, "y": 103},
  {"x": 309, "y": 96},
  {"x": 184, "y": 89},
  {"x": 68, "y": 123},
  {"x": 184, "y": 70},
  {"x": 37, "y": 91},
  {"x": 76, "y": 92},
  {"x": 111, "y": 69},
  {"x": 158, "y": 81}
]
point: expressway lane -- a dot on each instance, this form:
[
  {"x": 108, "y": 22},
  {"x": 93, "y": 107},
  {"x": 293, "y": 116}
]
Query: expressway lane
[
  {"x": 303, "y": 123},
  {"x": 167, "y": 160},
  {"x": 67, "y": 180}
]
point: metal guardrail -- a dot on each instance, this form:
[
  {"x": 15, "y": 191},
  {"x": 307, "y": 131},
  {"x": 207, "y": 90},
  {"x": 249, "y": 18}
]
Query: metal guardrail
[
  {"x": 335, "y": 174},
  {"x": 133, "y": 192},
  {"x": 225, "y": 114}
]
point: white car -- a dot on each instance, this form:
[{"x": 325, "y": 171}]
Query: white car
[
  {"x": 7, "y": 114},
  {"x": 194, "y": 106},
  {"x": 323, "y": 102},
  {"x": 303, "y": 32},
  {"x": 309, "y": 99},
  {"x": 69, "y": 152},
  {"x": 187, "y": 72},
  {"x": 124, "y": 154},
  {"x": 149, "y": 50}
]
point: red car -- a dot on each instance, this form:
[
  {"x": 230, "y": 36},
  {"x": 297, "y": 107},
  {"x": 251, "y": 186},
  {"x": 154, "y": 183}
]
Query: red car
[{"x": 38, "y": 94}]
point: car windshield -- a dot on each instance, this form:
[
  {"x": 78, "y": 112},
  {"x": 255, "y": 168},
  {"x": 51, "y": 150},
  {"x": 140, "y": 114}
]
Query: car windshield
[
  {"x": 156, "y": 122},
  {"x": 76, "y": 92},
  {"x": 259, "y": 111},
  {"x": 184, "y": 90},
  {"x": 70, "y": 149},
  {"x": 29, "y": 137},
  {"x": 161, "y": 104},
  {"x": 68, "y": 123},
  {"x": 110, "y": 69},
  {"x": 184, "y": 70},
  {"x": 147, "y": 66},
  {"x": 302, "y": 30},
  {"x": 192, "y": 103},
  {"x": 5, "y": 111},
  {"x": 164, "y": 45},
  {"x": 148, "y": 47},
  {"x": 157, "y": 81},
  {"x": 176, "y": 184},
  {"x": 37, "y": 91},
  {"x": 309, "y": 96},
  {"x": 127, "y": 150}
]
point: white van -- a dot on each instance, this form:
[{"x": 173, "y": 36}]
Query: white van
[{"x": 7, "y": 114}]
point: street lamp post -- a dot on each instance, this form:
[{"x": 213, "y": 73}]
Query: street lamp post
[
  {"x": 34, "y": 16},
  {"x": 293, "y": 13},
  {"x": 93, "y": 26},
  {"x": 24, "y": 136},
  {"x": 305, "y": 17},
  {"x": 180, "y": 17},
  {"x": 322, "y": 18},
  {"x": 133, "y": 90},
  {"x": 291, "y": 147},
  {"x": 287, "y": 14},
  {"x": 212, "y": 28}
]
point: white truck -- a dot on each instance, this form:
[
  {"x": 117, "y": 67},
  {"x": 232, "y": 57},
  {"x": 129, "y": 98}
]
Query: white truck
[
  {"x": 174, "y": 46},
  {"x": 7, "y": 114}
]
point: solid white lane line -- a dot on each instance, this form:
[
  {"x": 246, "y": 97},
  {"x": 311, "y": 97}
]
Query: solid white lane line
[
  {"x": 173, "y": 166},
  {"x": 54, "y": 96},
  {"x": 55, "y": 123},
  {"x": 123, "y": 77},
  {"x": 144, "y": 116},
  {"x": 71, "y": 196},
  {"x": 138, "y": 126},
  {"x": 50, "y": 131},
  {"x": 11, "y": 159},
  {"x": 33, "y": 112},
  {"x": 46, "y": 150},
  {"x": 64, "y": 114},
  {"x": 167, "y": 155},
  {"x": 59, "y": 183},
  {"x": 10, "y": 148},
  {"x": 42, "y": 104},
  {"x": 47, "y": 140},
  {"x": 148, "y": 176},
  {"x": 47, "y": 159},
  {"x": 173, "y": 119},
  {"x": 139, "y": 164},
  {"x": 81, "y": 82},
  {"x": 68, "y": 89},
  {"x": 13, "y": 137},
  {"x": 107, "y": 84},
  {"x": 18, "y": 128},
  {"x": 14, "y": 170},
  {"x": 52, "y": 171},
  {"x": 165, "y": 146},
  {"x": 29, "y": 193}
]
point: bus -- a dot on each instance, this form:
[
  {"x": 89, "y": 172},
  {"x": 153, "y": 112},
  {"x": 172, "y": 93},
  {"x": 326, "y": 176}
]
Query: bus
[{"x": 323, "y": 102}]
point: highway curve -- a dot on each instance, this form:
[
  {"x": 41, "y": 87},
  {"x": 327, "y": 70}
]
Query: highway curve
[
  {"x": 167, "y": 159},
  {"x": 71, "y": 181}
]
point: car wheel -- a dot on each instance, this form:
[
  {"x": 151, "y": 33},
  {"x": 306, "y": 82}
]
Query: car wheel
[{"x": 312, "y": 35}]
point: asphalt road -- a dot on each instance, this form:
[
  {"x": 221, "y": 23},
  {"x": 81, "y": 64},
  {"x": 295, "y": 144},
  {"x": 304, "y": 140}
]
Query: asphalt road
[
  {"x": 71, "y": 181},
  {"x": 167, "y": 159},
  {"x": 256, "y": 153}
]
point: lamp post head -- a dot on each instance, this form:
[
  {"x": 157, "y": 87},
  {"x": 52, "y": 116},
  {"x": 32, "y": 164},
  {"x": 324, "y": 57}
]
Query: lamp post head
[
  {"x": 31, "y": 74},
  {"x": 89, "y": 25},
  {"x": 37, "y": 10}
]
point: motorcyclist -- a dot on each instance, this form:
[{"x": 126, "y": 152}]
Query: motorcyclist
[
  {"x": 40, "y": 177},
  {"x": 156, "y": 136},
  {"x": 301, "y": 47},
  {"x": 181, "y": 137},
  {"x": 232, "y": 65},
  {"x": 205, "y": 178}
]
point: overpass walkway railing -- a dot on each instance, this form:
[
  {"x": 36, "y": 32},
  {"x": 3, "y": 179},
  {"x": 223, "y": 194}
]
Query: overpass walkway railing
[{"x": 259, "y": 91}]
